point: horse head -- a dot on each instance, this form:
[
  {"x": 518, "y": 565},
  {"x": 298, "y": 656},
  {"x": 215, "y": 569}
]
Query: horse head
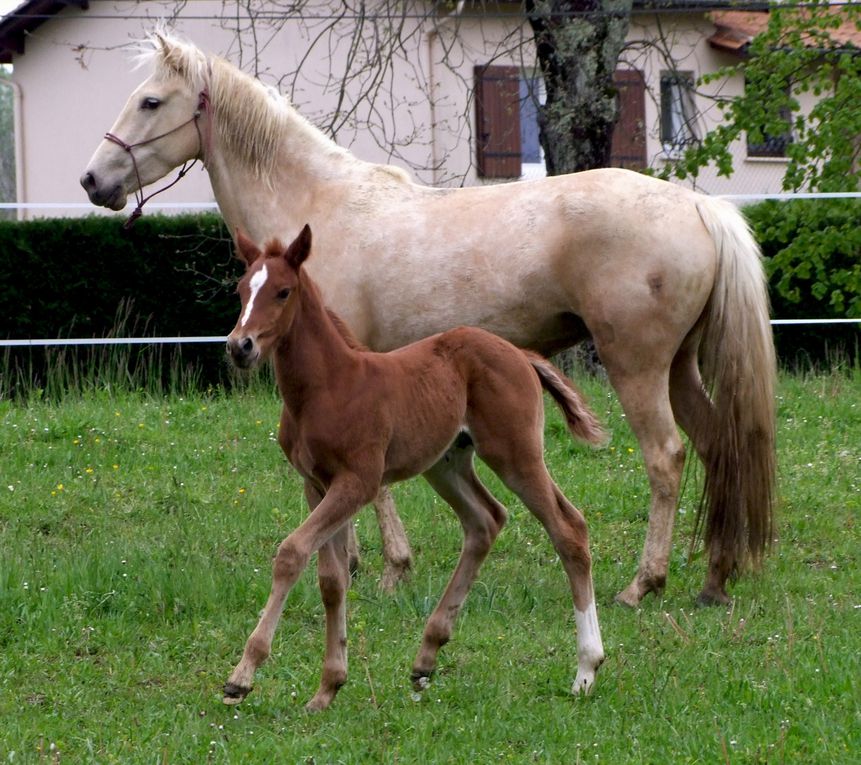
[
  {"x": 268, "y": 298},
  {"x": 158, "y": 129}
]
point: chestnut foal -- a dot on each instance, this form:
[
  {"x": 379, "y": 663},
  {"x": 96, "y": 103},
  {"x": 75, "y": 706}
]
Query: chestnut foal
[{"x": 354, "y": 420}]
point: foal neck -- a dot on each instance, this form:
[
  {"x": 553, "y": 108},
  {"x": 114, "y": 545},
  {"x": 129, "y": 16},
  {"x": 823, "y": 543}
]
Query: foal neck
[{"x": 316, "y": 348}]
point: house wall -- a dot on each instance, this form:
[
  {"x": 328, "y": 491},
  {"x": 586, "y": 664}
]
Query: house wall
[
  {"x": 76, "y": 75},
  {"x": 683, "y": 38}
]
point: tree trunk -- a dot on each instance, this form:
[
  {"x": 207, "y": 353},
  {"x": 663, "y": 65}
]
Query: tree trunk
[{"x": 578, "y": 44}]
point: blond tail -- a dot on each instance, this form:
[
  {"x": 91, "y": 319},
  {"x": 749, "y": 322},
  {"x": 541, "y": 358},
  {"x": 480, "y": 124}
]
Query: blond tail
[{"x": 739, "y": 371}]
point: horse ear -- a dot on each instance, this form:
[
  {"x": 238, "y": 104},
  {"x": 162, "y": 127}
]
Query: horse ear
[
  {"x": 246, "y": 250},
  {"x": 161, "y": 43},
  {"x": 300, "y": 249}
]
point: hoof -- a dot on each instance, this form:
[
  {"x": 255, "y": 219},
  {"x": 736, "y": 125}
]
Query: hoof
[
  {"x": 233, "y": 693},
  {"x": 393, "y": 575},
  {"x": 420, "y": 680},
  {"x": 713, "y": 598},
  {"x": 627, "y": 599},
  {"x": 642, "y": 585},
  {"x": 583, "y": 684},
  {"x": 317, "y": 705}
]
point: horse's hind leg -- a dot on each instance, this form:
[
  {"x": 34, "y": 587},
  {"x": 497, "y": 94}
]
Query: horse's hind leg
[
  {"x": 482, "y": 518},
  {"x": 694, "y": 412},
  {"x": 645, "y": 399}
]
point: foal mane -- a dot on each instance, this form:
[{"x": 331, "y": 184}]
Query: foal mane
[
  {"x": 344, "y": 330},
  {"x": 249, "y": 118}
]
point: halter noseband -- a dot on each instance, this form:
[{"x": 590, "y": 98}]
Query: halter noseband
[{"x": 141, "y": 200}]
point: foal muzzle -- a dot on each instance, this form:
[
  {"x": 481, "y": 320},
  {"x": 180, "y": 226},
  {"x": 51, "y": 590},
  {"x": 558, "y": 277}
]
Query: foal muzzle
[{"x": 243, "y": 351}]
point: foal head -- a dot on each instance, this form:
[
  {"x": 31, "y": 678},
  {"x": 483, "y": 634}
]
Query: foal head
[{"x": 267, "y": 294}]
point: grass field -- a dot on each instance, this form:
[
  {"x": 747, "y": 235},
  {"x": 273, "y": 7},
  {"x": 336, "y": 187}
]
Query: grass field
[{"x": 136, "y": 534}]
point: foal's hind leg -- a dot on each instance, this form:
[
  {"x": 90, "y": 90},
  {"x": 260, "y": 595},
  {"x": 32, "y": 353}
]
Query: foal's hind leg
[
  {"x": 482, "y": 518},
  {"x": 524, "y": 472}
]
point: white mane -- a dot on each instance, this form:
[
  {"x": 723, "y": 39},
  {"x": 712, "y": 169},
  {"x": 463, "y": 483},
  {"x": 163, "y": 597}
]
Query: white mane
[{"x": 250, "y": 119}]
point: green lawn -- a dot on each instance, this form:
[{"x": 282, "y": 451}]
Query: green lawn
[{"x": 136, "y": 534}]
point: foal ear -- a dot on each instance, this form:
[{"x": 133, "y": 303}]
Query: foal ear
[
  {"x": 246, "y": 250},
  {"x": 300, "y": 248}
]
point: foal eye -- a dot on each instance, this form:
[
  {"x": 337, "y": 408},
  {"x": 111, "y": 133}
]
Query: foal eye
[
  {"x": 150, "y": 102},
  {"x": 283, "y": 294}
]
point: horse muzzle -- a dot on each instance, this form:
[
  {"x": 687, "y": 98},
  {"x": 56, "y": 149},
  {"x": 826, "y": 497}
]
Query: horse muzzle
[
  {"x": 113, "y": 197},
  {"x": 243, "y": 352}
]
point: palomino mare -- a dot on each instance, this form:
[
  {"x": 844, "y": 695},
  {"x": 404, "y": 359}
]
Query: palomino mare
[
  {"x": 354, "y": 420},
  {"x": 660, "y": 276}
]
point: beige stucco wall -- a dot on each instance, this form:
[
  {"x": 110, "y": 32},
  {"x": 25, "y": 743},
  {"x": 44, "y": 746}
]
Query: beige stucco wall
[
  {"x": 422, "y": 120},
  {"x": 685, "y": 38}
]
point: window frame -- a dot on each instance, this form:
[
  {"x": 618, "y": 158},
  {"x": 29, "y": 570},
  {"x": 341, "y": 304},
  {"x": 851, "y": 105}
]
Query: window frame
[{"x": 677, "y": 113}]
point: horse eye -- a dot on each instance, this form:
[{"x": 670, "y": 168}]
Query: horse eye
[
  {"x": 283, "y": 294},
  {"x": 150, "y": 102}
]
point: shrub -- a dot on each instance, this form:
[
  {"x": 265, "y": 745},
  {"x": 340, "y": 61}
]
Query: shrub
[
  {"x": 87, "y": 277},
  {"x": 812, "y": 250}
]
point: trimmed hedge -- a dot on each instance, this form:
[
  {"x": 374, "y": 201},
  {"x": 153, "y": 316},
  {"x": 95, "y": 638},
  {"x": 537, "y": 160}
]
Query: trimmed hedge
[{"x": 87, "y": 277}]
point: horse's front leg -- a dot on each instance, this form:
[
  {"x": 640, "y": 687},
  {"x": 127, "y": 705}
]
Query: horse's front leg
[
  {"x": 397, "y": 555},
  {"x": 343, "y": 499}
]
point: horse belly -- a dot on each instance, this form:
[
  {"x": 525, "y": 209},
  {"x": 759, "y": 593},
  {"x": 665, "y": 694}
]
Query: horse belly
[
  {"x": 408, "y": 458},
  {"x": 424, "y": 429}
]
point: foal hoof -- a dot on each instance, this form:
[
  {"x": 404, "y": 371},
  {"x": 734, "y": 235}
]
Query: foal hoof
[
  {"x": 420, "y": 681},
  {"x": 233, "y": 693}
]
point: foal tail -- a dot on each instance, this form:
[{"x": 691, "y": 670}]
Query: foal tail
[
  {"x": 738, "y": 367},
  {"x": 582, "y": 422}
]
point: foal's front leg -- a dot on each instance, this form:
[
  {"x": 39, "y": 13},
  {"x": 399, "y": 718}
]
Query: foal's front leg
[
  {"x": 342, "y": 501},
  {"x": 333, "y": 574}
]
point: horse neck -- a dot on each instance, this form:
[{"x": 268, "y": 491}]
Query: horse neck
[
  {"x": 313, "y": 352},
  {"x": 280, "y": 203}
]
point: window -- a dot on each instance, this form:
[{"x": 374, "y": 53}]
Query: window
[
  {"x": 677, "y": 112},
  {"x": 773, "y": 145},
  {"x": 507, "y": 103},
  {"x": 532, "y": 96}
]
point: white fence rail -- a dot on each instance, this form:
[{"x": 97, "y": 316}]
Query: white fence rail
[{"x": 44, "y": 342}]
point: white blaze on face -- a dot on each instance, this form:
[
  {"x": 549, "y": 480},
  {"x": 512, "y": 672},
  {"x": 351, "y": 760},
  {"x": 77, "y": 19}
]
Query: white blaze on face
[{"x": 257, "y": 281}]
